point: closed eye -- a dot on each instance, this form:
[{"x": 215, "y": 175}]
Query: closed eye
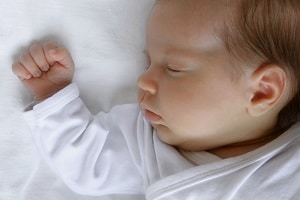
[{"x": 172, "y": 70}]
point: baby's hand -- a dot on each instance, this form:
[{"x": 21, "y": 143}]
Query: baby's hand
[{"x": 45, "y": 69}]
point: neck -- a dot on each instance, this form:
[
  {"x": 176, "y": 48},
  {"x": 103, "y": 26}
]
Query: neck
[{"x": 240, "y": 148}]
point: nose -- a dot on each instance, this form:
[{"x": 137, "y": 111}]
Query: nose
[{"x": 147, "y": 82}]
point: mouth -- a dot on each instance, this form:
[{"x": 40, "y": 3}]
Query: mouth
[{"x": 151, "y": 116}]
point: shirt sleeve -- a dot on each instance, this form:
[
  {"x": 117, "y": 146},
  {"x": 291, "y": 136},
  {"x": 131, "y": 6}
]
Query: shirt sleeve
[{"x": 88, "y": 152}]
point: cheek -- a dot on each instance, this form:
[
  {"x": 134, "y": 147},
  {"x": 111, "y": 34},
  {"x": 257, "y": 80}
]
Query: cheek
[
  {"x": 180, "y": 106},
  {"x": 186, "y": 107}
]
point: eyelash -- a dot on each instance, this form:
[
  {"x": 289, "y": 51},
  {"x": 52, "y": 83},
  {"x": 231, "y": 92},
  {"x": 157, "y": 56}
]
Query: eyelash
[
  {"x": 166, "y": 68},
  {"x": 170, "y": 69}
]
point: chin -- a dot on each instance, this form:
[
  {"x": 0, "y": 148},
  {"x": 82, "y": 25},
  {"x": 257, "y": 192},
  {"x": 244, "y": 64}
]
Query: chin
[
  {"x": 167, "y": 136},
  {"x": 163, "y": 134}
]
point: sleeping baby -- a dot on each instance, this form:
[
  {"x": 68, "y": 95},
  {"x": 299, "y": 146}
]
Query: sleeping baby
[{"x": 217, "y": 113}]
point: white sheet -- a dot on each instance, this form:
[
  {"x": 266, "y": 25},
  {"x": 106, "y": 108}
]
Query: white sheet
[{"x": 106, "y": 39}]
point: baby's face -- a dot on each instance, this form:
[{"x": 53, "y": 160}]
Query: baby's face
[{"x": 187, "y": 93}]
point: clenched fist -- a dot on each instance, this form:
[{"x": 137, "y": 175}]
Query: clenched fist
[{"x": 45, "y": 69}]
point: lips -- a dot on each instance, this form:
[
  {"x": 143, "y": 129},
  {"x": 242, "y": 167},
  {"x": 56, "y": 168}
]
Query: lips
[{"x": 151, "y": 116}]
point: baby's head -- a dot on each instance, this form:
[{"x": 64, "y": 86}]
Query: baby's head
[
  {"x": 266, "y": 32},
  {"x": 221, "y": 72}
]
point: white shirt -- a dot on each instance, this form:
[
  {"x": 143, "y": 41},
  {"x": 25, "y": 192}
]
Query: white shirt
[{"x": 119, "y": 152}]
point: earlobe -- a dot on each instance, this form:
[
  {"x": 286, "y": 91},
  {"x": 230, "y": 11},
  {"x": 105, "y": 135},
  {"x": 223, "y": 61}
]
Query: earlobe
[{"x": 268, "y": 84}]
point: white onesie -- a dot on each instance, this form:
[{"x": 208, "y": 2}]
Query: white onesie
[{"x": 119, "y": 152}]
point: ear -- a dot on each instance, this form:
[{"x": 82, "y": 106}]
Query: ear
[{"x": 268, "y": 84}]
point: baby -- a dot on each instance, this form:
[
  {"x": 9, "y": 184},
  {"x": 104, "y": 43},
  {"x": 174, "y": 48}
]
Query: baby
[{"x": 217, "y": 113}]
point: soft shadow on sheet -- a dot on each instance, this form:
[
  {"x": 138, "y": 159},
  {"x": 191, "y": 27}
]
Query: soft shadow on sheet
[{"x": 106, "y": 40}]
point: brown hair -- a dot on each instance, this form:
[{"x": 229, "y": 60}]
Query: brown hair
[{"x": 265, "y": 32}]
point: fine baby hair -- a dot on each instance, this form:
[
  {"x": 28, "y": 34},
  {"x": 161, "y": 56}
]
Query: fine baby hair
[{"x": 267, "y": 32}]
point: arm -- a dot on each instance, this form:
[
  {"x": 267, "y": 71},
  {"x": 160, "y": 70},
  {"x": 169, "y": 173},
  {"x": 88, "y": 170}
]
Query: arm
[{"x": 88, "y": 152}]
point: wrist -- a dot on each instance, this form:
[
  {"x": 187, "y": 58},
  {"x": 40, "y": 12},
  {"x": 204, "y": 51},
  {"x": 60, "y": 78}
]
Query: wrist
[{"x": 49, "y": 93}]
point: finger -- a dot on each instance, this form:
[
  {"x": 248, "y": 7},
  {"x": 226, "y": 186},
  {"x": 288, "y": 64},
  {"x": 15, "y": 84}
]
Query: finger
[
  {"x": 20, "y": 71},
  {"x": 46, "y": 48},
  {"x": 62, "y": 56},
  {"x": 38, "y": 56},
  {"x": 27, "y": 61}
]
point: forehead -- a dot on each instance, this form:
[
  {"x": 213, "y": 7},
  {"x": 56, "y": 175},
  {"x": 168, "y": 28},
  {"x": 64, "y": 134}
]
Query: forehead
[
  {"x": 199, "y": 21},
  {"x": 198, "y": 10}
]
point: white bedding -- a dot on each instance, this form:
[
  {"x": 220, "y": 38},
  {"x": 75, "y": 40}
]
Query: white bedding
[{"x": 106, "y": 39}]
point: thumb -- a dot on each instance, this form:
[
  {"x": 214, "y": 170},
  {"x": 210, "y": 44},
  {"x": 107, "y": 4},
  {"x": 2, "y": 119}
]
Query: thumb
[{"x": 62, "y": 56}]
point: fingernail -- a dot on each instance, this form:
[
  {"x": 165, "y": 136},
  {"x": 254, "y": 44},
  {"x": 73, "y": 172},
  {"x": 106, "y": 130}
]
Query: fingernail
[
  {"x": 27, "y": 76},
  {"x": 52, "y": 51},
  {"x": 38, "y": 74},
  {"x": 45, "y": 68}
]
